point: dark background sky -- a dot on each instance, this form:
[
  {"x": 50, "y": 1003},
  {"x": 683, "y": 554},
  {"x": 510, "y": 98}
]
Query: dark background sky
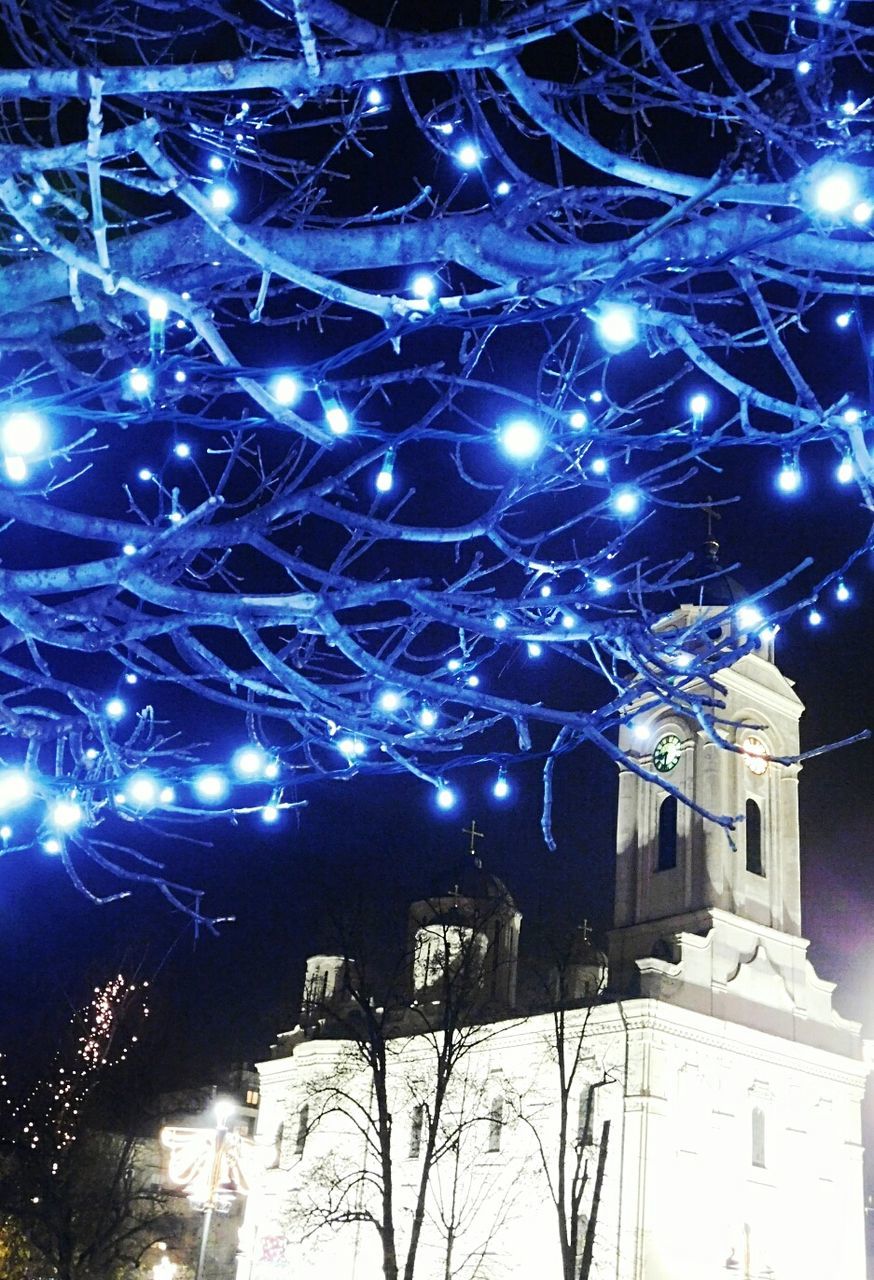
[{"x": 224, "y": 998}]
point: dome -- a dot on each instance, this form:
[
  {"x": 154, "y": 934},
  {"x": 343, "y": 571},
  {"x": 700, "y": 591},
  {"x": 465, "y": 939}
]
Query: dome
[{"x": 718, "y": 588}]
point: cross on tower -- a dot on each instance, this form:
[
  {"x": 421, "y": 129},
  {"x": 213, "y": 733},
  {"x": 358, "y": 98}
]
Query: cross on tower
[
  {"x": 586, "y": 930},
  {"x": 711, "y": 513},
  {"x": 474, "y": 836}
]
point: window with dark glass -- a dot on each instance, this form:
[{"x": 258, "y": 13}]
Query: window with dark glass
[
  {"x": 754, "y": 839},
  {"x": 667, "y": 850},
  {"x": 758, "y": 1138},
  {"x": 496, "y": 1124},
  {"x": 585, "y": 1124},
  {"x": 416, "y": 1121},
  {"x": 303, "y": 1126}
]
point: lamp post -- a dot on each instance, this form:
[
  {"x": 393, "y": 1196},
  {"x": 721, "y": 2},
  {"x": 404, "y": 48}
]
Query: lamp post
[{"x": 223, "y": 1111}]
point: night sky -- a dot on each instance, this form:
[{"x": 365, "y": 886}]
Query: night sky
[{"x": 382, "y": 841}]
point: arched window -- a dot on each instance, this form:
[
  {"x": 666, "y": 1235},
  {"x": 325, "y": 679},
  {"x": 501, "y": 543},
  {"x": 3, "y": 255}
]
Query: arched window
[
  {"x": 416, "y": 1122},
  {"x": 303, "y": 1128},
  {"x": 754, "y": 839},
  {"x": 758, "y": 1138},
  {"x": 667, "y": 851},
  {"x": 496, "y": 1124}
]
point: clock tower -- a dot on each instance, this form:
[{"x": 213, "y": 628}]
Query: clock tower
[{"x": 698, "y": 901}]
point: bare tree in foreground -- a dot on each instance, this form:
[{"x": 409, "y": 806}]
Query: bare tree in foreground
[{"x": 352, "y": 366}]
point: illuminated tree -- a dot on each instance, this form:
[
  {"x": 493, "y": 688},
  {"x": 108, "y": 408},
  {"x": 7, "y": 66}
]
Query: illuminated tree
[
  {"x": 352, "y": 363},
  {"x": 75, "y": 1193}
]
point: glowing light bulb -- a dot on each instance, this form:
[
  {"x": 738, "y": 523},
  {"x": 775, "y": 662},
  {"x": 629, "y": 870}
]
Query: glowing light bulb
[
  {"x": 616, "y": 326},
  {"x": 16, "y": 788},
  {"x": 602, "y": 585},
  {"x": 596, "y": 397},
  {"x": 468, "y": 155},
  {"x": 499, "y": 622},
  {"x": 535, "y": 649},
  {"x": 503, "y": 188},
  {"x": 852, "y": 416},
  {"x": 521, "y": 440},
  {"x": 845, "y": 470},
  {"x": 270, "y": 813},
  {"x": 142, "y": 790},
  {"x": 351, "y": 747},
  {"x": 446, "y": 797},
  {"x": 129, "y": 549},
  {"x": 815, "y": 618},
  {"x": 16, "y": 468},
  {"x": 447, "y": 128},
  {"x": 748, "y": 617},
  {"x": 92, "y": 753},
  {"x": 848, "y": 107},
  {"x": 285, "y": 389},
  {"x": 182, "y": 450},
  {"x": 51, "y": 845},
  {"x": 5, "y": 832},
  {"x": 336, "y": 416},
  {"x": 454, "y": 664},
  {"x": 139, "y": 382},
  {"x": 699, "y": 404},
  {"x": 423, "y": 286},
  {"x": 66, "y": 814},
  {"x": 427, "y": 718},
  {"x": 374, "y": 97},
  {"x": 271, "y": 769},
  {"x": 836, "y": 192},
  {"x": 249, "y": 762},
  {"x": 390, "y": 700},
  {"x": 843, "y": 319},
  {"x": 501, "y": 789},
  {"x": 115, "y": 708},
  {"x": 473, "y": 681},
  {"x": 842, "y": 591},
  {"x": 803, "y": 67},
  {"x": 130, "y": 677},
  {"x": 578, "y": 420},
  {"x": 167, "y": 795},
  {"x": 546, "y": 591},
  {"x": 180, "y": 376},
  {"x": 862, "y": 211},
  {"x": 385, "y": 475},
  {"x": 639, "y": 731},
  {"x": 626, "y": 502},
  {"x": 216, "y": 164},
  {"x": 211, "y": 786},
  {"x": 23, "y": 432},
  {"x": 37, "y": 198},
  {"x": 789, "y": 476},
  {"x": 568, "y": 621},
  {"x": 158, "y": 309},
  {"x": 823, "y": 6},
  {"x": 599, "y": 466},
  {"x": 221, "y": 197}
]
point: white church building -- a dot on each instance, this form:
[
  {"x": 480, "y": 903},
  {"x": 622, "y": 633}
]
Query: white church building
[{"x": 732, "y": 1087}]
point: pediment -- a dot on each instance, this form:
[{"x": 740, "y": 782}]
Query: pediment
[{"x": 757, "y": 979}]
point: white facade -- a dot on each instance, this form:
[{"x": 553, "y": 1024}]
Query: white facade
[{"x": 732, "y": 1087}]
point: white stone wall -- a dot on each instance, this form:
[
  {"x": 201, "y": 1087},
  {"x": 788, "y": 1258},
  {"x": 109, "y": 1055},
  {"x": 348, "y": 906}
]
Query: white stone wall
[{"x": 683, "y": 1199}]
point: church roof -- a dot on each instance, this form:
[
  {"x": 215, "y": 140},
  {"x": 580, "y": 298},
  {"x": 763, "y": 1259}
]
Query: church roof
[{"x": 712, "y": 586}]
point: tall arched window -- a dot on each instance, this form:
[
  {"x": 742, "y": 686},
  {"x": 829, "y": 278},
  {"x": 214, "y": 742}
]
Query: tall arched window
[
  {"x": 667, "y": 851},
  {"x": 754, "y": 839},
  {"x": 303, "y": 1128},
  {"x": 758, "y": 1138},
  {"x": 496, "y": 1124}
]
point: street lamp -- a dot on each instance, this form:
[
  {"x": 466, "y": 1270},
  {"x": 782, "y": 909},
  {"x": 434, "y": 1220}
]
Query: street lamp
[
  {"x": 164, "y": 1270},
  {"x": 205, "y": 1163}
]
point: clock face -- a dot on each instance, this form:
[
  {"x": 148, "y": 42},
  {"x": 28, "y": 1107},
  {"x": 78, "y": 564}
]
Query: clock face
[
  {"x": 666, "y": 753},
  {"x": 754, "y": 756}
]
